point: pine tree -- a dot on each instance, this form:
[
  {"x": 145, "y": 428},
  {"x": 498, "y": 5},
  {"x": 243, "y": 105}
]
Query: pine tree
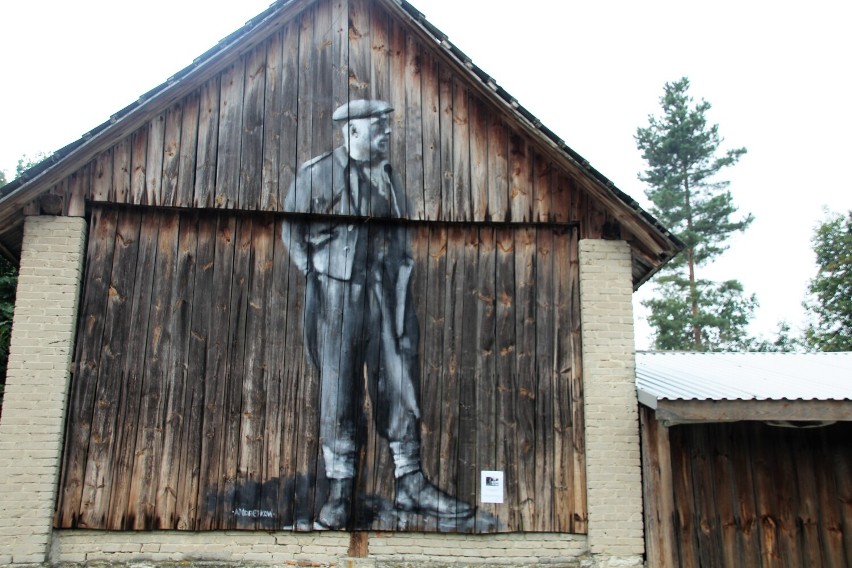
[
  {"x": 683, "y": 158},
  {"x": 830, "y": 301}
]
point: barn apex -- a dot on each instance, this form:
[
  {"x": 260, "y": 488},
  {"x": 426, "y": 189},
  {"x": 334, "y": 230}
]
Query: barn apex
[{"x": 331, "y": 287}]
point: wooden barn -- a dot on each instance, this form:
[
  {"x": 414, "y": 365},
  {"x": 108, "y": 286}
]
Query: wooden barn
[
  {"x": 747, "y": 458},
  {"x": 328, "y": 293}
]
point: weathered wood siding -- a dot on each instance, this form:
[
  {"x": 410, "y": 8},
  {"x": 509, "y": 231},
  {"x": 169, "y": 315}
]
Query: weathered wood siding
[
  {"x": 748, "y": 494},
  {"x": 237, "y": 141},
  {"x": 193, "y": 405}
]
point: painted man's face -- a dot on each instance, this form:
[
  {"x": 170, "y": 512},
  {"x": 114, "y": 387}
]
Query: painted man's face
[{"x": 369, "y": 138}]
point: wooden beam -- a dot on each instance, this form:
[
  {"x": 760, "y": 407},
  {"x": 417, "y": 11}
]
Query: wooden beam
[
  {"x": 657, "y": 492},
  {"x": 672, "y": 412}
]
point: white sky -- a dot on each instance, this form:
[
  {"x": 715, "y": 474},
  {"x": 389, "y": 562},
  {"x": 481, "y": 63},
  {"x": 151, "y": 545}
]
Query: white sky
[{"x": 777, "y": 74}]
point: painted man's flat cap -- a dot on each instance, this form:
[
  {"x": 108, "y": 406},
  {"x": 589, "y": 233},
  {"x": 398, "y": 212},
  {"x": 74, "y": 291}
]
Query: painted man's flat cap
[{"x": 361, "y": 108}]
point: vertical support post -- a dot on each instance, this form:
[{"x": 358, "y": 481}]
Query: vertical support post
[
  {"x": 613, "y": 460},
  {"x": 31, "y": 426}
]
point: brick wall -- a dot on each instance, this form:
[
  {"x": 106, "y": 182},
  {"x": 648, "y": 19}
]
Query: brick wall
[
  {"x": 318, "y": 549},
  {"x": 613, "y": 461},
  {"x": 37, "y": 384}
]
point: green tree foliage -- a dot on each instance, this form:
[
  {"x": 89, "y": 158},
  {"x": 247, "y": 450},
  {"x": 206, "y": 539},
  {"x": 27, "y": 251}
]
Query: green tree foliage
[
  {"x": 683, "y": 158},
  {"x": 830, "y": 291}
]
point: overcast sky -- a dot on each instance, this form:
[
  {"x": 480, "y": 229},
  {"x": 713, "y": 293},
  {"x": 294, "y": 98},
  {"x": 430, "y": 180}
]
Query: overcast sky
[{"x": 777, "y": 74}]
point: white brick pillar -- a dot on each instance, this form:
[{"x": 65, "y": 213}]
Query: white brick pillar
[
  {"x": 31, "y": 427},
  {"x": 613, "y": 461}
]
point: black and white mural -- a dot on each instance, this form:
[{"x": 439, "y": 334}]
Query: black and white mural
[{"x": 360, "y": 321}]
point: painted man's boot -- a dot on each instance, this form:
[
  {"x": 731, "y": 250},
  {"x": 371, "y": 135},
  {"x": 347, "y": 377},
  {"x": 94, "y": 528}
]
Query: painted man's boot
[
  {"x": 415, "y": 493},
  {"x": 334, "y": 514}
]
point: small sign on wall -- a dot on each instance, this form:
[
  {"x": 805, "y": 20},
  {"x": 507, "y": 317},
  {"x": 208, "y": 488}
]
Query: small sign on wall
[{"x": 491, "y": 487}]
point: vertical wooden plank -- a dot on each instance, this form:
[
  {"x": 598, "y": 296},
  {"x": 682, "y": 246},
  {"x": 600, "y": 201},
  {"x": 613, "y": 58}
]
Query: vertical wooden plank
[
  {"x": 171, "y": 154},
  {"x": 454, "y": 323},
  {"x": 498, "y": 170},
  {"x": 431, "y": 116},
  {"x": 831, "y": 523},
  {"x": 380, "y": 59},
  {"x": 840, "y": 455},
  {"x": 462, "y": 201},
  {"x": 524, "y": 383},
  {"x": 578, "y": 422},
  {"x": 234, "y": 444},
  {"x": 208, "y": 143},
  {"x": 339, "y": 62},
  {"x": 306, "y": 94},
  {"x": 786, "y": 489},
  {"x": 188, "y": 151},
  {"x": 255, "y": 374},
  {"x": 323, "y": 102},
  {"x": 682, "y": 484},
  {"x": 138, "y": 158},
  {"x": 123, "y": 504},
  {"x": 748, "y": 524},
  {"x": 397, "y": 69},
  {"x": 98, "y": 478},
  {"x": 434, "y": 265},
  {"x": 808, "y": 503},
  {"x": 273, "y": 111},
  {"x": 79, "y": 472},
  {"x": 542, "y": 174},
  {"x": 288, "y": 135},
  {"x": 445, "y": 136},
  {"x": 766, "y": 502},
  {"x": 566, "y": 296},
  {"x": 704, "y": 495},
  {"x": 217, "y": 364},
  {"x": 479, "y": 119},
  {"x": 199, "y": 431},
  {"x": 486, "y": 395},
  {"x": 725, "y": 495},
  {"x": 657, "y": 491},
  {"x": 121, "y": 171},
  {"x": 102, "y": 177},
  {"x": 467, "y": 483},
  {"x": 359, "y": 66},
  {"x": 251, "y": 147},
  {"x": 506, "y": 422},
  {"x": 521, "y": 166},
  {"x": 563, "y": 188},
  {"x": 156, "y": 376},
  {"x": 414, "y": 129},
  {"x": 178, "y": 392},
  {"x": 154, "y": 162},
  {"x": 232, "y": 90},
  {"x": 544, "y": 352}
]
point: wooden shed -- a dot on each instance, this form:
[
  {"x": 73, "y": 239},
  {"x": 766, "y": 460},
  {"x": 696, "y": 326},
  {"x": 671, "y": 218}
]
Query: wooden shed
[
  {"x": 276, "y": 330},
  {"x": 747, "y": 458}
]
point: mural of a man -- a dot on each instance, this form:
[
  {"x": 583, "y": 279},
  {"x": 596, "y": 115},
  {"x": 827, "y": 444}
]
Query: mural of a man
[{"x": 359, "y": 316}]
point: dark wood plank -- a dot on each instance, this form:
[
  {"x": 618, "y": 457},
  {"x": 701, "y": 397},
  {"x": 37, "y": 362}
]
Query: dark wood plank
[
  {"x": 748, "y": 523},
  {"x": 78, "y": 483},
  {"x": 359, "y": 65},
  {"x": 306, "y": 95},
  {"x": 251, "y": 148},
  {"x": 208, "y": 143},
  {"x": 232, "y": 91},
  {"x": 199, "y": 428},
  {"x": 840, "y": 454},
  {"x": 726, "y": 504},
  {"x": 173, "y": 126},
  {"x": 506, "y": 422},
  {"x": 124, "y": 503},
  {"x": 657, "y": 491},
  {"x": 273, "y": 116},
  {"x": 462, "y": 202},
  {"x": 682, "y": 484},
  {"x": 831, "y": 523},
  {"x": 704, "y": 494},
  {"x": 445, "y": 139},
  {"x": 545, "y": 343},
  {"x": 484, "y": 299},
  {"x": 121, "y": 171},
  {"x": 188, "y": 152},
  {"x": 498, "y": 170},
  {"x": 138, "y": 158},
  {"x": 102, "y": 177},
  {"x": 479, "y": 120},
  {"x": 339, "y": 61},
  {"x": 524, "y": 384},
  {"x": 156, "y": 376},
  {"x": 179, "y": 387},
  {"x": 578, "y": 421},
  {"x": 217, "y": 364},
  {"x": 414, "y": 129},
  {"x": 154, "y": 162},
  {"x": 287, "y": 133},
  {"x": 542, "y": 181},
  {"x": 431, "y": 135},
  {"x": 380, "y": 56},
  {"x": 521, "y": 156}
]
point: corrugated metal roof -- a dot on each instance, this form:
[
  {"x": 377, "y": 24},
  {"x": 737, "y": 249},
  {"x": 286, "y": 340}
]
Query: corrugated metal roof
[{"x": 743, "y": 376}]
